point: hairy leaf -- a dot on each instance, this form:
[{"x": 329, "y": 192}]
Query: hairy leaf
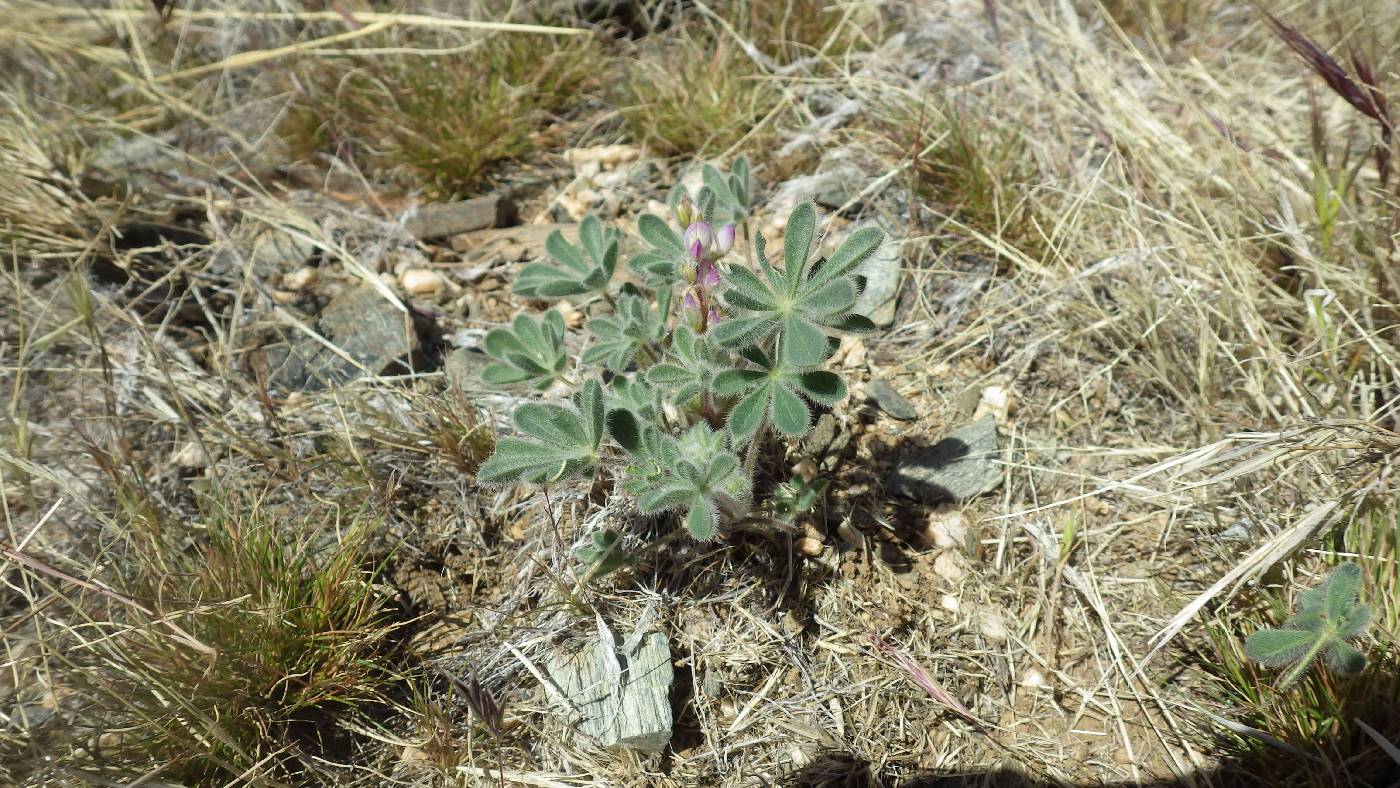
[
  {"x": 1327, "y": 617},
  {"x": 574, "y": 270},
  {"x": 566, "y": 440},
  {"x": 531, "y": 350},
  {"x": 800, "y": 303}
]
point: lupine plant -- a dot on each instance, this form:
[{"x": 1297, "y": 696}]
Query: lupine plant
[
  {"x": 1328, "y": 616},
  {"x": 690, "y": 366}
]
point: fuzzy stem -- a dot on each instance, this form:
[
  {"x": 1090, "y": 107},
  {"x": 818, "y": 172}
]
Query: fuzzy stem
[{"x": 1301, "y": 666}]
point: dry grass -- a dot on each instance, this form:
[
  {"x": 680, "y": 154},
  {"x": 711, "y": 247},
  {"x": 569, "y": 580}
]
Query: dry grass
[
  {"x": 1134, "y": 223},
  {"x": 694, "y": 96},
  {"x": 444, "y": 122}
]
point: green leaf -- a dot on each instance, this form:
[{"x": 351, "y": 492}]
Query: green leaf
[
  {"x": 798, "y": 304},
  {"x": 531, "y": 350},
  {"x": 702, "y": 520},
  {"x": 626, "y": 429},
  {"x": 797, "y": 242},
  {"x": 566, "y": 440},
  {"x": 515, "y": 458},
  {"x": 850, "y": 256},
  {"x": 574, "y": 270},
  {"x": 619, "y": 338},
  {"x": 802, "y": 344},
  {"x": 734, "y": 381},
  {"x": 822, "y": 387},
  {"x": 741, "y": 331},
  {"x": 790, "y": 414},
  {"x": 1277, "y": 647},
  {"x": 605, "y": 554},
  {"x": 745, "y": 417},
  {"x": 1341, "y": 589},
  {"x": 1343, "y": 659},
  {"x": 1327, "y": 617}
]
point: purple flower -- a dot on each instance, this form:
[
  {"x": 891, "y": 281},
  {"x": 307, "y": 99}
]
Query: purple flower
[
  {"x": 707, "y": 275},
  {"x": 724, "y": 240},
  {"x": 698, "y": 239}
]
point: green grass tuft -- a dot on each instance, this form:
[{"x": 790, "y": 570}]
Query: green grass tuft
[
  {"x": 443, "y": 122},
  {"x": 300, "y": 634}
]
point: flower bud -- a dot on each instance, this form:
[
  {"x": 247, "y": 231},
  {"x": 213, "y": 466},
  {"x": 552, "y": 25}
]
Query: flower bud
[
  {"x": 686, "y": 213},
  {"x": 707, "y": 274},
  {"x": 698, "y": 239},
  {"x": 690, "y": 310},
  {"x": 724, "y": 240}
]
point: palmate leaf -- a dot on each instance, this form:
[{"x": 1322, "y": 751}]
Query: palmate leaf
[
  {"x": 692, "y": 371},
  {"x": 530, "y": 351},
  {"x": 618, "y": 338},
  {"x": 698, "y": 474},
  {"x": 634, "y": 395},
  {"x": 604, "y": 553},
  {"x": 727, "y": 195},
  {"x": 772, "y": 392},
  {"x": 801, "y": 303},
  {"x": 586, "y": 268},
  {"x": 659, "y": 265},
  {"x": 565, "y": 440},
  {"x": 1328, "y": 616}
]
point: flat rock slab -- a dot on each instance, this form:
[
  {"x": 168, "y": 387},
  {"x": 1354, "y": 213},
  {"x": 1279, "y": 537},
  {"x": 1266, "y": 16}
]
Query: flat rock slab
[
  {"x": 371, "y": 333},
  {"x": 439, "y": 220},
  {"x": 883, "y": 274},
  {"x": 958, "y": 468},
  {"x": 891, "y": 401},
  {"x": 633, "y": 711}
]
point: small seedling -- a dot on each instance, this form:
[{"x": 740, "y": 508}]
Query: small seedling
[
  {"x": 1328, "y": 616},
  {"x": 703, "y": 358}
]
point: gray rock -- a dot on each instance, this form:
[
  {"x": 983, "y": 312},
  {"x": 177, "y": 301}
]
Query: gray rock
[
  {"x": 274, "y": 251},
  {"x": 958, "y": 468},
  {"x": 883, "y": 273},
  {"x": 359, "y": 322},
  {"x": 463, "y": 368},
  {"x": 891, "y": 401},
  {"x": 631, "y": 711},
  {"x": 439, "y": 220}
]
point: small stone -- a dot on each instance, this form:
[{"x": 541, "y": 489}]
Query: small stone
[
  {"x": 995, "y": 402},
  {"x": 946, "y": 530},
  {"x": 949, "y": 603},
  {"x": 958, "y": 468},
  {"x": 191, "y": 456},
  {"x": 300, "y": 279},
  {"x": 855, "y": 355},
  {"x": 806, "y": 545},
  {"x": 883, "y": 273},
  {"x": 463, "y": 368},
  {"x": 805, "y": 469},
  {"x": 285, "y": 297},
  {"x": 439, "y": 220},
  {"x": 949, "y": 567},
  {"x": 361, "y": 323},
  {"x": 891, "y": 401},
  {"x": 573, "y": 316},
  {"x": 1032, "y": 678},
  {"x": 991, "y": 624},
  {"x": 422, "y": 281}
]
